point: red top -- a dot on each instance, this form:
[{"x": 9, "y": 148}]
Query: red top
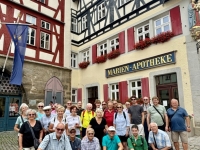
[{"x": 108, "y": 115}]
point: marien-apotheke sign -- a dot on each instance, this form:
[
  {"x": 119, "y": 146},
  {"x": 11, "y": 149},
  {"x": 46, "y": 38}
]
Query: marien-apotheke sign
[{"x": 152, "y": 62}]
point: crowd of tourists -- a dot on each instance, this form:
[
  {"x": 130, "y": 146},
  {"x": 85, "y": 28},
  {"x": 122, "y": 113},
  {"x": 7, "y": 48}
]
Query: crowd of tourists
[{"x": 110, "y": 126}]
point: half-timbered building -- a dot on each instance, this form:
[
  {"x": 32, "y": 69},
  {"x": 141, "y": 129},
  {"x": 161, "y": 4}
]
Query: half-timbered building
[{"x": 122, "y": 48}]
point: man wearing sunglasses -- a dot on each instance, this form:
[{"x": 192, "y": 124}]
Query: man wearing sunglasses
[
  {"x": 75, "y": 142},
  {"x": 45, "y": 120},
  {"x": 56, "y": 140}
]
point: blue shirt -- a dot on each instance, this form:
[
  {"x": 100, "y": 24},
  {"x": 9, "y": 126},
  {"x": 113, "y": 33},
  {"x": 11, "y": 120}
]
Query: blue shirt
[
  {"x": 76, "y": 144},
  {"x": 111, "y": 144},
  {"x": 178, "y": 120}
]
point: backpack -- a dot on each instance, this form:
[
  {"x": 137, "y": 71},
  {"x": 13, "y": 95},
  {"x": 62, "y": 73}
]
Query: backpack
[
  {"x": 123, "y": 114},
  {"x": 84, "y": 114},
  {"x": 55, "y": 120}
]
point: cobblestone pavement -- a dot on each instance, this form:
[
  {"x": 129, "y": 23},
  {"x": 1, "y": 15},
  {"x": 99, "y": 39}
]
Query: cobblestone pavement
[{"x": 8, "y": 141}]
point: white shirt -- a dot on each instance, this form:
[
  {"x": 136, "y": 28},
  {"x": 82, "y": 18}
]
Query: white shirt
[
  {"x": 67, "y": 112},
  {"x": 55, "y": 121},
  {"x": 72, "y": 121}
]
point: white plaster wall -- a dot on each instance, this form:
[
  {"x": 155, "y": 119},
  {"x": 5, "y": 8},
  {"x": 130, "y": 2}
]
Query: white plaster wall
[
  {"x": 30, "y": 52},
  {"x": 54, "y": 43},
  {"x": 31, "y": 4},
  {"x": 45, "y": 56},
  {"x": 3, "y": 8},
  {"x": 1, "y": 42},
  {"x": 53, "y": 3},
  {"x": 48, "y": 12}
]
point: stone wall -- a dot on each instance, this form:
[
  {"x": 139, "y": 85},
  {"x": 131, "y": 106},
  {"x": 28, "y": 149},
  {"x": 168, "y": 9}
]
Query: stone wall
[{"x": 35, "y": 77}]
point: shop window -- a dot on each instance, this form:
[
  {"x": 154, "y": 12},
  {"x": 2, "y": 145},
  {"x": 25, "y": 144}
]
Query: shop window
[
  {"x": 101, "y": 11},
  {"x": 31, "y": 36},
  {"x": 86, "y": 56},
  {"x": 114, "y": 44},
  {"x": 45, "y": 25},
  {"x": 74, "y": 95},
  {"x": 103, "y": 49},
  {"x": 44, "y": 40},
  {"x": 135, "y": 88},
  {"x": 143, "y": 32},
  {"x": 30, "y": 19},
  {"x": 84, "y": 22},
  {"x": 114, "y": 91},
  {"x": 74, "y": 60},
  {"x": 162, "y": 25}
]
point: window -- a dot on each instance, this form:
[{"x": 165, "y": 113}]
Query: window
[
  {"x": 114, "y": 91},
  {"x": 31, "y": 19},
  {"x": 103, "y": 49},
  {"x": 44, "y": 40},
  {"x": 101, "y": 11},
  {"x": 31, "y": 36},
  {"x": 143, "y": 32},
  {"x": 86, "y": 56},
  {"x": 114, "y": 44},
  {"x": 74, "y": 57},
  {"x": 42, "y": 1},
  {"x": 74, "y": 95},
  {"x": 162, "y": 25},
  {"x": 135, "y": 88},
  {"x": 122, "y": 2},
  {"x": 84, "y": 22},
  {"x": 45, "y": 25},
  {"x": 74, "y": 24}
]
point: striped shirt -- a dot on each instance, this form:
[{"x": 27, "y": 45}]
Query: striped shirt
[{"x": 86, "y": 144}]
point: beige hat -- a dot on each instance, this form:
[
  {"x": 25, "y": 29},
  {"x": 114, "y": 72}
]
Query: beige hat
[
  {"x": 72, "y": 128},
  {"x": 47, "y": 107},
  {"x": 111, "y": 128}
]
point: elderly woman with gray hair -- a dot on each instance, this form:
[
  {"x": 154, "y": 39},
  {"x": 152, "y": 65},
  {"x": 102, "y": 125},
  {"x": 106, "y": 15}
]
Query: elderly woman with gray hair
[
  {"x": 99, "y": 125},
  {"x": 26, "y": 140}
]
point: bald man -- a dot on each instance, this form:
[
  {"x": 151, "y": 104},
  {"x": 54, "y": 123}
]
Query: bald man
[
  {"x": 179, "y": 124},
  {"x": 56, "y": 140},
  {"x": 158, "y": 139}
]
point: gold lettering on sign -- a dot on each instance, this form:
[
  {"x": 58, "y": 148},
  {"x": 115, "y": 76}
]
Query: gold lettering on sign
[
  {"x": 151, "y": 62},
  {"x": 162, "y": 59},
  {"x": 134, "y": 66},
  {"x": 157, "y": 59},
  {"x": 169, "y": 58},
  {"x": 110, "y": 73}
]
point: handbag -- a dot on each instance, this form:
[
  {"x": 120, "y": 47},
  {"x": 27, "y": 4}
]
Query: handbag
[
  {"x": 160, "y": 115},
  {"x": 35, "y": 140}
]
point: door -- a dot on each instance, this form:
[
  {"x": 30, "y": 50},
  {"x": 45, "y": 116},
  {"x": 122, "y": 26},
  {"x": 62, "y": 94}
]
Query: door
[
  {"x": 92, "y": 96},
  {"x": 9, "y": 109}
]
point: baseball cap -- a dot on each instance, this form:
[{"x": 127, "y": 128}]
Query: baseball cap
[
  {"x": 47, "y": 107},
  {"x": 111, "y": 128},
  {"x": 72, "y": 128}
]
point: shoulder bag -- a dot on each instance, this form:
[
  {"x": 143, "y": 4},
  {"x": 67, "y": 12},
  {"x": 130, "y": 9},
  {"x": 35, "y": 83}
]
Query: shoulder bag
[
  {"x": 160, "y": 115},
  {"x": 171, "y": 118},
  {"x": 36, "y": 141}
]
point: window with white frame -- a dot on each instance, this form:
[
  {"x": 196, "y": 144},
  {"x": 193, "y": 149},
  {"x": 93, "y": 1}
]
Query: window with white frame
[
  {"x": 31, "y": 36},
  {"x": 114, "y": 91},
  {"x": 30, "y": 19},
  {"x": 101, "y": 11},
  {"x": 44, "y": 40},
  {"x": 74, "y": 95},
  {"x": 122, "y": 2},
  {"x": 74, "y": 60},
  {"x": 162, "y": 25},
  {"x": 45, "y": 25},
  {"x": 86, "y": 56},
  {"x": 143, "y": 32},
  {"x": 84, "y": 22},
  {"x": 135, "y": 88},
  {"x": 103, "y": 49},
  {"x": 114, "y": 44},
  {"x": 74, "y": 24}
]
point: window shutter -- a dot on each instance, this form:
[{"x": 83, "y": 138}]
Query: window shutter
[
  {"x": 122, "y": 42},
  {"x": 94, "y": 53},
  {"x": 105, "y": 92},
  {"x": 131, "y": 39},
  {"x": 176, "y": 20},
  {"x": 145, "y": 87},
  {"x": 123, "y": 91},
  {"x": 79, "y": 94}
]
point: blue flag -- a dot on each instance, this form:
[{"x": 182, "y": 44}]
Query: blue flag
[{"x": 19, "y": 35}]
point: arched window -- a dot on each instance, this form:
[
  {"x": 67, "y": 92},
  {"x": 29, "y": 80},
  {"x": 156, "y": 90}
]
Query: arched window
[{"x": 53, "y": 91}]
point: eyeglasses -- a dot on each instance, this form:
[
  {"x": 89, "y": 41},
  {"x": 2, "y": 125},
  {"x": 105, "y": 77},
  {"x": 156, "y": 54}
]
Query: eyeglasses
[
  {"x": 90, "y": 133},
  {"x": 133, "y": 99},
  {"x": 72, "y": 132},
  {"x": 31, "y": 114},
  {"x": 103, "y": 104},
  {"x": 47, "y": 110},
  {"x": 112, "y": 131},
  {"x": 119, "y": 107},
  {"x": 145, "y": 99},
  {"x": 60, "y": 129},
  {"x": 69, "y": 103},
  {"x": 41, "y": 106}
]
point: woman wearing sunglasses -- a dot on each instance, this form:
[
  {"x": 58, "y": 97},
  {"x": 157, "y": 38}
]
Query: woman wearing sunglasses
[
  {"x": 26, "y": 140},
  {"x": 40, "y": 111},
  {"x": 121, "y": 123}
]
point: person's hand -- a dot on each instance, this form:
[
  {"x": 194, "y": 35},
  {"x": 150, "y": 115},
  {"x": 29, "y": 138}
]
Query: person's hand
[
  {"x": 40, "y": 140},
  {"x": 76, "y": 125},
  {"x": 149, "y": 129},
  {"x": 104, "y": 131},
  {"x": 188, "y": 129},
  {"x": 126, "y": 134},
  {"x": 20, "y": 148},
  {"x": 166, "y": 128},
  {"x": 169, "y": 129}
]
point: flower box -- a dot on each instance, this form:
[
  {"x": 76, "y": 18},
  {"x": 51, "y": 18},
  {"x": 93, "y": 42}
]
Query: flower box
[
  {"x": 84, "y": 64},
  {"x": 143, "y": 44},
  {"x": 113, "y": 54},
  {"x": 101, "y": 59},
  {"x": 162, "y": 37}
]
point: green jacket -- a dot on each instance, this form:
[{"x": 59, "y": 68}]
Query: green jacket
[{"x": 139, "y": 144}]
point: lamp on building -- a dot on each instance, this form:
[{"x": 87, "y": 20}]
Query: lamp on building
[{"x": 198, "y": 46}]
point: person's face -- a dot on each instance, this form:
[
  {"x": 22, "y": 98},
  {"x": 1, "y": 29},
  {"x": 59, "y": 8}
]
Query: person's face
[
  {"x": 40, "y": 107},
  {"x": 99, "y": 114},
  {"x": 60, "y": 113},
  {"x": 127, "y": 104},
  {"x": 111, "y": 133},
  {"x": 115, "y": 104},
  {"x": 74, "y": 110},
  {"x": 155, "y": 101},
  {"x": 119, "y": 108},
  {"x": 174, "y": 103},
  {"x": 90, "y": 135},
  {"x": 135, "y": 131},
  {"x": 24, "y": 109},
  {"x": 103, "y": 105},
  {"x": 146, "y": 100},
  {"x": 110, "y": 106},
  {"x": 59, "y": 130},
  {"x": 134, "y": 100},
  {"x": 72, "y": 133},
  {"x": 154, "y": 128},
  {"x": 79, "y": 104},
  {"x": 69, "y": 104},
  {"x": 89, "y": 108},
  {"x": 47, "y": 112},
  {"x": 31, "y": 115},
  {"x": 98, "y": 105}
]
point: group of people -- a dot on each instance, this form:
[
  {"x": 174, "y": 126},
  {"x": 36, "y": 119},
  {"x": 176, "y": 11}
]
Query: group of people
[{"x": 109, "y": 127}]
